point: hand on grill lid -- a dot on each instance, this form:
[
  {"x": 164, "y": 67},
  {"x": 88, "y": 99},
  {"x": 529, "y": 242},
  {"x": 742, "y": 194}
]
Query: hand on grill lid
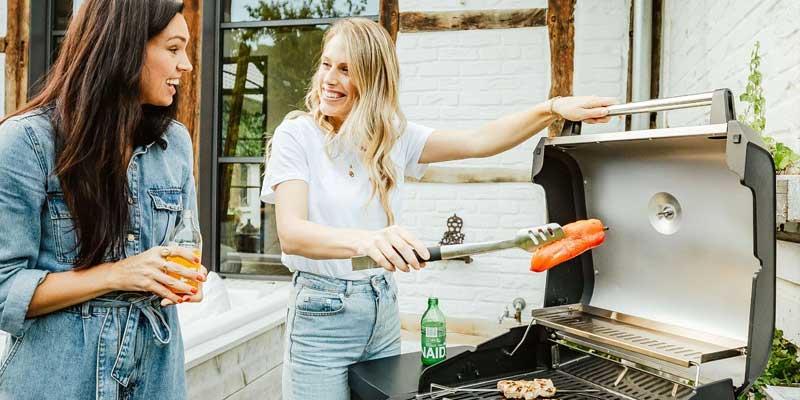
[
  {"x": 527, "y": 390},
  {"x": 580, "y": 236}
]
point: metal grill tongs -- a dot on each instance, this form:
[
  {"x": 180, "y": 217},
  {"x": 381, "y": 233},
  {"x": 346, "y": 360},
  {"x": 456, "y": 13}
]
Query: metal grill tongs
[{"x": 526, "y": 239}]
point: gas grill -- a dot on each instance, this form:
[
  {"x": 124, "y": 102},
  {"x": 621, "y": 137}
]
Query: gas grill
[{"x": 679, "y": 303}]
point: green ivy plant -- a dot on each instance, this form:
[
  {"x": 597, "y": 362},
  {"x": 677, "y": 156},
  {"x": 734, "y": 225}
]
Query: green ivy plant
[
  {"x": 783, "y": 368},
  {"x": 754, "y": 115}
]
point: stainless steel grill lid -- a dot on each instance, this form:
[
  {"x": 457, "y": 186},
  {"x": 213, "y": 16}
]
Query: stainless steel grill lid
[{"x": 692, "y": 217}]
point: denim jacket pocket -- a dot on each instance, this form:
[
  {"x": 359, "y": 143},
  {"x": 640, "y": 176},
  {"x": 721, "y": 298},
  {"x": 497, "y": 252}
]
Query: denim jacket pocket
[
  {"x": 167, "y": 206},
  {"x": 317, "y": 303},
  {"x": 64, "y": 230},
  {"x": 10, "y": 352}
]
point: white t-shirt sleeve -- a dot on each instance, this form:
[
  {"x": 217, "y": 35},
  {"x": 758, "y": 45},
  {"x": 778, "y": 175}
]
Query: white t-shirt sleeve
[
  {"x": 288, "y": 161},
  {"x": 415, "y": 138}
]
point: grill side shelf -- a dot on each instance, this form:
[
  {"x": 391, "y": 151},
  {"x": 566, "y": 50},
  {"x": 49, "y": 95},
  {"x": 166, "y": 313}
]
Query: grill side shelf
[{"x": 675, "y": 345}]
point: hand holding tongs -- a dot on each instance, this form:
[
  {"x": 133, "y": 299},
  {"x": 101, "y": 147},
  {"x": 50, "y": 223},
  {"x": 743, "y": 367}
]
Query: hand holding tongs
[{"x": 525, "y": 239}]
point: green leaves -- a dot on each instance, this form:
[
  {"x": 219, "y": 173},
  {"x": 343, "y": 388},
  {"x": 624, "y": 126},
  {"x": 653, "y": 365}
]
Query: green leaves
[
  {"x": 755, "y": 114},
  {"x": 783, "y": 367},
  {"x": 784, "y": 156}
]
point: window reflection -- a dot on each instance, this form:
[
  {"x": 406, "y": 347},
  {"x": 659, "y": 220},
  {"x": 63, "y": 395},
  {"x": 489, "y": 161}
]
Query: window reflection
[
  {"x": 248, "y": 236},
  {"x": 267, "y": 10},
  {"x": 265, "y": 75}
]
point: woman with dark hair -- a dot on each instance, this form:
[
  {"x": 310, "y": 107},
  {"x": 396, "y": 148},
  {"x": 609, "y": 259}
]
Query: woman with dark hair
[{"x": 94, "y": 173}]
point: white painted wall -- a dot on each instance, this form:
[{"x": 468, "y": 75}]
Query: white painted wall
[
  {"x": 707, "y": 45},
  {"x": 463, "y": 79}
]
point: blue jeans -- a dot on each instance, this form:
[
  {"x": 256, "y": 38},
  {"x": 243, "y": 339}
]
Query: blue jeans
[
  {"x": 121, "y": 348},
  {"x": 332, "y": 324}
]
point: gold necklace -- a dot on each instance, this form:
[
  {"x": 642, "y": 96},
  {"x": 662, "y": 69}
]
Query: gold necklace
[{"x": 350, "y": 171}]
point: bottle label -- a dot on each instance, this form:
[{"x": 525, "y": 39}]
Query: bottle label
[
  {"x": 190, "y": 245},
  {"x": 436, "y": 353},
  {"x": 434, "y": 348}
]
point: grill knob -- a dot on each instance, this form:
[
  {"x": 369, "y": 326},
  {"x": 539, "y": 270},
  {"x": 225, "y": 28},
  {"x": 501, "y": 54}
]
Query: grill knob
[{"x": 664, "y": 212}]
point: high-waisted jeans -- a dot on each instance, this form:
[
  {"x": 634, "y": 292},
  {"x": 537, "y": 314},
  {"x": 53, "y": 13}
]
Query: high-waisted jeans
[{"x": 332, "y": 324}]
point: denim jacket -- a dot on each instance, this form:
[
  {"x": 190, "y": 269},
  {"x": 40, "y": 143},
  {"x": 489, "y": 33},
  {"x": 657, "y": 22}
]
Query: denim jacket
[{"x": 37, "y": 235}]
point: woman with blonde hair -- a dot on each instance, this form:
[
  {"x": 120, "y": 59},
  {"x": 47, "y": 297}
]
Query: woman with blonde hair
[{"x": 336, "y": 177}]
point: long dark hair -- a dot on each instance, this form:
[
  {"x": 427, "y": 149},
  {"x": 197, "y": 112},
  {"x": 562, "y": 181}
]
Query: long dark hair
[{"x": 98, "y": 118}]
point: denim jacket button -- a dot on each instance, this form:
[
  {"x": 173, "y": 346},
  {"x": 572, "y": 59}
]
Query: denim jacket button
[
  {"x": 130, "y": 200},
  {"x": 131, "y": 237}
]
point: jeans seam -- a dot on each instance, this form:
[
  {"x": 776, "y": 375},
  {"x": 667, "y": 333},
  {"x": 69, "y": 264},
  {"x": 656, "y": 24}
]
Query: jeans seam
[
  {"x": 377, "y": 303},
  {"x": 17, "y": 344},
  {"x": 294, "y": 318},
  {"x": 100, "y": 351}
]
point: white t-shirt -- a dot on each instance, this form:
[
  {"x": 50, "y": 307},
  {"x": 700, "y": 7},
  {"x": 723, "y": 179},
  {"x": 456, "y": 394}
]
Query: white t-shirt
[{"x": 335, "y": 198}]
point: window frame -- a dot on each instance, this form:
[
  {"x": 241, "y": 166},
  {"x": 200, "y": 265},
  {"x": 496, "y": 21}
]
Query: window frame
[{"x": 41, "y": 39}]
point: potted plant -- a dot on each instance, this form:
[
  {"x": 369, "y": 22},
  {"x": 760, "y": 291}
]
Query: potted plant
[{"x": 787, "y": 161}]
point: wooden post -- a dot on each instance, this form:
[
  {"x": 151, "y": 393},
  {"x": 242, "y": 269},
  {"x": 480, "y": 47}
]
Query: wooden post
[
  {"x": 16, "y": 49},
  {"x": 189, "y": 103},
  {"x": 561, "y": 28},
  {"x": 389, "y": 17},
  {"x": 468, "y": 20}
]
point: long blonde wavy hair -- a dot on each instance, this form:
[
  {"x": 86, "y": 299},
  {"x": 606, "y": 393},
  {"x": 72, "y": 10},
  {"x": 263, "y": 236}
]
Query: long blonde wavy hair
[{"x": 375, "y": 122}]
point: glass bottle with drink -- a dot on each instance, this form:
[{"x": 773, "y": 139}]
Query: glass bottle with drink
[
  {"x": 433, "y": 332},
  {"x": 186, "y": 235}
]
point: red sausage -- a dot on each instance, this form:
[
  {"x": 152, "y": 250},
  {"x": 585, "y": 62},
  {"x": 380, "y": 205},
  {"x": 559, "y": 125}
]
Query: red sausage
[{"x": 580, "y": 236}]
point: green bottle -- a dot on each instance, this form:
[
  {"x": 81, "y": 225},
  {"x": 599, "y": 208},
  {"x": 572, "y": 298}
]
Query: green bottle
[{"x": 433, "y": 331}]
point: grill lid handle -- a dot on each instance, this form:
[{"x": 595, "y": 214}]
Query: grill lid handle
[{"x": 720, "y": 100}]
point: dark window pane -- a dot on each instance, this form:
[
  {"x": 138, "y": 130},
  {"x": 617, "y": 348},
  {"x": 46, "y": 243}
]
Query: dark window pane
[
  {"x": 267, "y": 10},
  {"x": 248, "y": 237},
  {"x": 57, "y": 42},
  {"x": 265, "y": 74},
  {"x": 62, "y": 13}
]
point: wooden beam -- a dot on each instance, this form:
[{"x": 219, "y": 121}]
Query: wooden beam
[
  {"x": 16, "y": 50},
  {"x": 189, "y": 103},
  {"x": 561, "y": 28},
  {"x": 473, "y": 175},
  {"x": 389, "y": 17},
  {"x": 467, "y": 20}
]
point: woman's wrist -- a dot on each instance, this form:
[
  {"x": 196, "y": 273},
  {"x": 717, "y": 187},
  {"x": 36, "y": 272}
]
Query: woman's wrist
[
  {"x": 356, "y": 244},
  {"x": 105, "y": 276},
  {"x": 552, "y": 112},
  {"x": 546, "y": 111}
]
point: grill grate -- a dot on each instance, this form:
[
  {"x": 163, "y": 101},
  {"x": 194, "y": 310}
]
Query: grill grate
[
  {"x": 589, "y": 373},
  {"x": 636, "y": 384},
  {"x": 675, "y": 345}
]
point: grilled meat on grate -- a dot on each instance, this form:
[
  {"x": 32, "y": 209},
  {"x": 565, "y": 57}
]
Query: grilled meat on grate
[{"x": 527, "y": 390}]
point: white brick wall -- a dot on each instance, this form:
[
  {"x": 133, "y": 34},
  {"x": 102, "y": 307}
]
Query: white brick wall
[
  {"x": 490, "y": 212},
  {"x": 462, "y": 79},
  {"x": 707, "y": 45}
]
